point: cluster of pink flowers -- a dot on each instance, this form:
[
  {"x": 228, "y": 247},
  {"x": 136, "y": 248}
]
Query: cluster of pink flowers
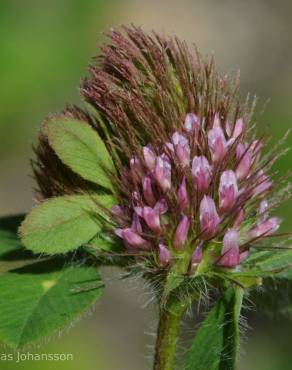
[{"x": 198, "y": 189}]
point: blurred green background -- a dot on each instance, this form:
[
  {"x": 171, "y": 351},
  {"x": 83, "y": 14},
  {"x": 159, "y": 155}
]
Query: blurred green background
[{"x": 45, "y": 46}]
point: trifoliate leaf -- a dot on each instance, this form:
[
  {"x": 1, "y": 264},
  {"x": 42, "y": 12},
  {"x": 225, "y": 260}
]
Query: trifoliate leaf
[
  {"x": 81, "y": 148},
  {"x": 216, "y": 343},
  {"x": 41, "y": 298},
  {"x": 61, "y": 224}
]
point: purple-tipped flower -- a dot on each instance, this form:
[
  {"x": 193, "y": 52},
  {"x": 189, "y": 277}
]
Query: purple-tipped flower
[
  {"x": 132, "y": 238},
  {"x": 182, "y": 196},
  {"x": 147, "y": 191},
  {"x": 209, "y": 218},
  {"x": 197, "y": 255},
  {"x": 164, "y": 255},
  {"x": 230, "y": 256},
  {"x": 228, "y": 190},
  {"x": 181, "y": 233},
  {"x": 202, "y": 173},
  {"x": 182, "y": 148},
  {"x": 217, "y": 144},
  {"x": 244, "y": 156},
  {"x": 265, "y": 228},
  {"x": 238, "y": 128},
  {"x": 192, "y": 123},
  {"x": 163, "y": 172},
  {"x": 152, "y": 219}
]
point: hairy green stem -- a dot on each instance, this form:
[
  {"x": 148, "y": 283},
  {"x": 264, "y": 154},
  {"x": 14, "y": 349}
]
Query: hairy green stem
[{"x": 167, "y": 334}]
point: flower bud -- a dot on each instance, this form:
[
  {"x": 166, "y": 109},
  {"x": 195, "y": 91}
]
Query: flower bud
[
  {"x": 164, "y": 255},
  {"x": 136, "y": 224},
  {"x": 149, "y": 157},
  {"x": 228, "y": 190},
  {"x": 163, "y": 172},
  {"x": 192, "y": 122},
  {"x": 147, "y": 191},
  {"x": 217, "y": 144},
  {"x": 230, "y": 256},
  {"x": 181, "y": 233},
  {"x": 152, "y": 219},
  {"x": 202, "y": 173},
  {"x": 161, "y": 206},
  {"x": 182, "y": 148},
  {"x": 265, "y": 228},
  {"x": 182, "y": 195},
  {"x": 209, "y": 218},
  {"x": 197, "y": 255},
  {"x": 238, "y": 128},
  {"x": 245, "y": 157},
  {"x": 132, "y": 238}
]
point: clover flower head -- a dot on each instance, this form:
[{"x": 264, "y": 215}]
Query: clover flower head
[{"x": 191, "y": 180}]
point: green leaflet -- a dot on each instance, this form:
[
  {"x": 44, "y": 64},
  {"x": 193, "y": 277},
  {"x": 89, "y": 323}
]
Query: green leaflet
[
  {"x": 41, "y": 298},
  {"x": 216, "y": 343},
  {"x": 61, "y": 224},
  {"x": 80, "y": 148}
]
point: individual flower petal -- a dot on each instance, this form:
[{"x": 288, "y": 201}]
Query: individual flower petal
[
  {"x": 182, "y": 148},
  {"x": 149, "y": 158},
  {"x": 181, "y": 233},
  {"x": 230, "y": 256},
  {"x": 192, "y": 122},
  {"x": 182, "y": 195},
  {"x": 244, "y": 157},
  {"x": 209, "y": 218},
  {"x": 217, "y": 144},
  {"x": 163, "y": 172},
  {"x": 164, "y": 255},
  {"x": 147, "y": 191},
  {"x": 228, "y": 190},
  {"x": 265, "y": 228},
  {"x": 201, "y": 172}
]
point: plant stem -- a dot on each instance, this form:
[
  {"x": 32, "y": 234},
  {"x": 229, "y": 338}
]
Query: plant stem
[{"x": 167, "y": 334}]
